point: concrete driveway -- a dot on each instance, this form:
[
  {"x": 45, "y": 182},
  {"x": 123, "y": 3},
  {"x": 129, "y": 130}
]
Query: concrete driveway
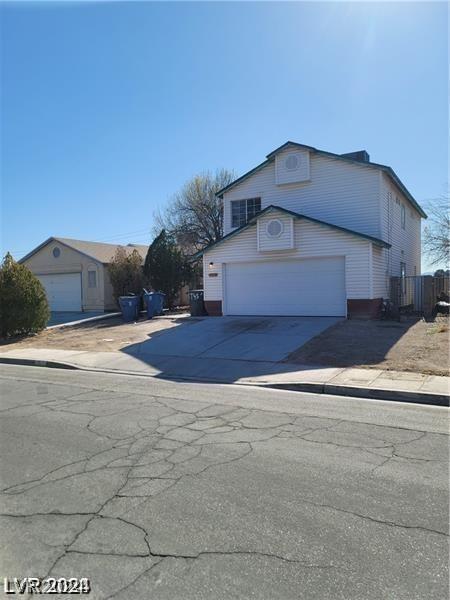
[
  {"x": 235, "y": 338},
  {"x": 59, "y": 318}
]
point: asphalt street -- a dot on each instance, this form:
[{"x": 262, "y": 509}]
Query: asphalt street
[{"x": 183, "y": 491}]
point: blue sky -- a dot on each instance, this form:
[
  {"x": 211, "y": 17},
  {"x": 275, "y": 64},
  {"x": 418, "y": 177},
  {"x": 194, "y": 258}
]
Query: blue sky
[{"x": 108, "y": 108}]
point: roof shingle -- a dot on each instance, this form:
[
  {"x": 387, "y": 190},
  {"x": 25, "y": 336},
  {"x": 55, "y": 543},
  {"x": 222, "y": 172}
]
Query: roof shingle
[{"x": 96, "y": 250}]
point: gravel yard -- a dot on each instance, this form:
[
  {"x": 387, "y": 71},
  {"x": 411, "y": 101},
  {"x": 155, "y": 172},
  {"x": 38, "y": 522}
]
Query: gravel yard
[
  {"x": 409, "y": 346},
  {"x": 109, "y": 335}
]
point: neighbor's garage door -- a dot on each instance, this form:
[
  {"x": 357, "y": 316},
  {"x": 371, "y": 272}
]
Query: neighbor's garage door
[
  {"x": 310, "y": 287},
  {"x": 63, "y": 291}
]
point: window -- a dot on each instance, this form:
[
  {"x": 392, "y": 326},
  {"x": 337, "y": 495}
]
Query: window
[
  {"x": 244, "y": 210},
  {"x": 403, "y": 216},
  {"x": 92, "y": 279},
  {"x": 56, "y": 252}
]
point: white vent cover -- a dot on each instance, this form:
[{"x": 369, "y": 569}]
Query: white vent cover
[
  {"x": 292, "y": 162},
  {"x": 274, "y": 228}
]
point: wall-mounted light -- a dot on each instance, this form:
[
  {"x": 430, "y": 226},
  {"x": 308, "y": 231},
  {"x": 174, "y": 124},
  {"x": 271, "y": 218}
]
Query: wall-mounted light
[{"x": 211, "y": 264}]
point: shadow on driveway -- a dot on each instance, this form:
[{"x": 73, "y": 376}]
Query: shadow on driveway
[{"x": 228, "y": 348}]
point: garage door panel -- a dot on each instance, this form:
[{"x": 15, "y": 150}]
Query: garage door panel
[
  {"x": 310, "y": 287},
  {"x": 63, "y": 291}
]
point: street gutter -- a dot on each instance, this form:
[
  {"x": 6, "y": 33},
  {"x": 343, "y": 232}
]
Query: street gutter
[{"x": 427, "y": 398}]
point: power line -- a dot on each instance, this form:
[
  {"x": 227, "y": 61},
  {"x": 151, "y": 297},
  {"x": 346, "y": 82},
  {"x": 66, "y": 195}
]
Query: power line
[{"x": 138, "y": 233}]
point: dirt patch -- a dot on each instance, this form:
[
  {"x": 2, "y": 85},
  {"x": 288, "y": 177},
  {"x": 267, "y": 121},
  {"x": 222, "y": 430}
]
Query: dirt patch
[
  {"x": 109, "y": 335},
  {"x": 411, "y": 346}
]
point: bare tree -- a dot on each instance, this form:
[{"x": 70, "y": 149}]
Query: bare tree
[
  {"x": 194, "y": 216},
  {"x": 436, "y": 240}
]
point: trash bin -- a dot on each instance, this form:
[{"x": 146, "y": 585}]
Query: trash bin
[
  {"x": 148, "y": 304},
  {"x": 196, "y": 303},
  {"x": 129, "y": 305},
  {"x": 155, "y": 303},
  {"x": 137, "y": 301}
]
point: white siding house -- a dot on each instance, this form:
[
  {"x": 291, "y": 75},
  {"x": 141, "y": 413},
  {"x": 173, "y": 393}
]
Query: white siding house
[{"x": 308, "y": 232}]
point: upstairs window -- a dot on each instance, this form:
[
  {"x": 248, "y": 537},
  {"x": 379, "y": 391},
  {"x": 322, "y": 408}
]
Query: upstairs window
[
  {"x": 244, "y": 210},
  {"x": 403, "y": 216}
]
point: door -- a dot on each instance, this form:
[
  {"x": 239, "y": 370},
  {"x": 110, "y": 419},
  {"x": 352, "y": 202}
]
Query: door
[
  {"x": 307, "y": 287},
  {"x": 63, "y": 291}
]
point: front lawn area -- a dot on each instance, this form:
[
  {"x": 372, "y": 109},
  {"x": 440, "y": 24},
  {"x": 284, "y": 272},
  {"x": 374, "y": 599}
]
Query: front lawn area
[
  {"x": 410, "y": 346},
  {"x": 109, "y": 335}
]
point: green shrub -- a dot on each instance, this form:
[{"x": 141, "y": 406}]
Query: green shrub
[
  {"x": 23, "y": 303},
  {"x": 125, "y": 273},
  {"x": 165, "y": 267}
]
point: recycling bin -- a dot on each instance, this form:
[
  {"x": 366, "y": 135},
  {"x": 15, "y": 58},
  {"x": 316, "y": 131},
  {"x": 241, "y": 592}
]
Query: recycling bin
[
  {"x": 129, "y": 305},
  {"x": 155, "y": 303}
]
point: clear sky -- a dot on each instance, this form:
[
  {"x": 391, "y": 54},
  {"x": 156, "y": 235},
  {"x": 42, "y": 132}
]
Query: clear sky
[{"x": 108, "y": 108}]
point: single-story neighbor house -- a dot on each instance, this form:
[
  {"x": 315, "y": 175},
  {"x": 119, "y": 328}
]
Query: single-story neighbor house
[
  {"x": 74, "y": 272},
  {"x": 309, "y": 232}
]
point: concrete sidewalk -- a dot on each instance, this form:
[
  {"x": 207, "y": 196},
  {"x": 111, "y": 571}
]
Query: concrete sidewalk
[{"x": 366, "y": 383}]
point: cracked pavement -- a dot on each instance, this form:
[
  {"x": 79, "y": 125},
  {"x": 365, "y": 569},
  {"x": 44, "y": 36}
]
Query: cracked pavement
[{"x": 157, "y": 489}]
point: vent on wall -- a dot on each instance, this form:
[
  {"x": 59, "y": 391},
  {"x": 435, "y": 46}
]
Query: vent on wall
[
  {"x": 291, "y": 167},
  {"x": 274, "y": 228},
  {"x": 292, "y": 162}
]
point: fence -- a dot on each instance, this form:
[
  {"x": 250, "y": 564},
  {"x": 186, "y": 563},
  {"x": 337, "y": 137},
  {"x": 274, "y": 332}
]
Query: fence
[{"x": 419, "y": 293}]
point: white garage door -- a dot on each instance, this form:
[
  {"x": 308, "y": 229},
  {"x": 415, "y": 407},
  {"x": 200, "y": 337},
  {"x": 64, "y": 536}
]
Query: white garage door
[
  {"x": 63, "y": 291},
  {"x": 311, "y": 287}
]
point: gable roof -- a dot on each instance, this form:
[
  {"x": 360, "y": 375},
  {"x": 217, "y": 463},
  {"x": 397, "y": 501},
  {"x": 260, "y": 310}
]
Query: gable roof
[
  {"x": 271, "y": 157},
  {"x": 291, "y": 213},
  {"x": 98, "y": 251}
]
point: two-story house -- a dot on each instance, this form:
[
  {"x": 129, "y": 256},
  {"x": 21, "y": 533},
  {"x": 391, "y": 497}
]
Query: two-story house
[{"x": 309, "y": 232}]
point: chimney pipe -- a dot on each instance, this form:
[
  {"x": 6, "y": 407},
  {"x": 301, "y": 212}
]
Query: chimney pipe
[{"x": 359, "y": 155}]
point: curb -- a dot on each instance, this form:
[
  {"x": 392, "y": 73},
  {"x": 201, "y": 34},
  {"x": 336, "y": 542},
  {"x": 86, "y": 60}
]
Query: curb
[
  {"x": 357, "y": 392},
  {"x": 33, "y": 362},
  {"x": 316, "y": 388},
  {"x": 87, "y": 320}
]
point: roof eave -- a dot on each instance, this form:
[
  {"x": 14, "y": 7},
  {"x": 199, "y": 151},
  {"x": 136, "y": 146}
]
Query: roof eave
[
  {"x": 33, "y": 252},
  {"x": 221, "y": 192},
  {"x": 272, "y": 207},
  {"x": 59, "y": 241},
  {"x": 270, "y": 157},
  {"x": 272, "y": 154}
]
